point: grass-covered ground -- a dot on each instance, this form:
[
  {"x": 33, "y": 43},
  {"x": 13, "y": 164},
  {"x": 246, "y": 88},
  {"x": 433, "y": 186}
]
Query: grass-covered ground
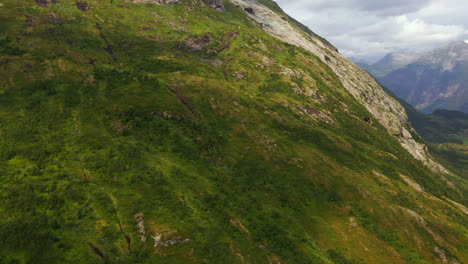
[{"x": 138, "y": 133}]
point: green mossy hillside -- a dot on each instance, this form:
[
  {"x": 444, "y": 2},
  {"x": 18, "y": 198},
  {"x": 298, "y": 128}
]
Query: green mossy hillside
[{"x": 133, "y": 133}]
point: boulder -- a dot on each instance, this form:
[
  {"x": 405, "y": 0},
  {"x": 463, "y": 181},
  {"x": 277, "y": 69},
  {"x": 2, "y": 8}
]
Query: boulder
[
  {"x": 82, "y": 6},
  {"x": 216, "y": 5},
  {"x": 198, "y": 44}
]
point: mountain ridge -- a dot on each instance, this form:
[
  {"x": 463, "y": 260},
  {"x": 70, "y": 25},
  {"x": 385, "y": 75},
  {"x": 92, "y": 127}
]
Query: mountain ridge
[
  {"x": 394, "y": 118},
  {"x": 391, "y": 62},
  {"x": 431, "y": 80}
]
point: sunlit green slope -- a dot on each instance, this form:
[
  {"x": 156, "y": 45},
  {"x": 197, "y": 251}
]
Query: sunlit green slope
[{"x": 140, "y": 133}]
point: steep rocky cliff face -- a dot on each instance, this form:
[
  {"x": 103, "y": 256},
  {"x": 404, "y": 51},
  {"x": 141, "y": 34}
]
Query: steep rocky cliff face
[
  {"x": 206, "y": 132},
  {"x": 358, "y": 82}
]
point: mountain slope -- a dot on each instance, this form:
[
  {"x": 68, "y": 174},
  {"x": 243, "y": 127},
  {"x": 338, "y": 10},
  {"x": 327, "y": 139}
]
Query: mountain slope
[
  {"x": 446, "y": 133},
  {"x": 206, "y": 132},
  {"x": 436, "y": 80},
  {"x": 362, "y": 86}
]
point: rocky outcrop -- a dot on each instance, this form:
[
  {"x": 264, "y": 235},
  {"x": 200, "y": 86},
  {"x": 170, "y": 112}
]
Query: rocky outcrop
[
  {"x": 198, "y": 44},
  {"x": 411, "y": 183},
  {"x": 141, "y": 226},
  {"x": 212, "y": 62},
  {"x": 458, "y": 205},
  {"x": 443, "y": 256},
  {"x": 52, "y": 19},
  {"x": 216, "y": 5},
  {"x": 358, "y": 82},
  {"x": 45, "y": 3},
  {"x": 166, "y": 240},
  {"x": 83, "y": 6}
]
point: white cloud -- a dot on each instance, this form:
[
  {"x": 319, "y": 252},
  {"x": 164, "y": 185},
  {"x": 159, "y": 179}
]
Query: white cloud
[
  {"x": 381, "y": 7},
  {"x": 419, "y": 32},
  {"x": 369, "y": 29}
]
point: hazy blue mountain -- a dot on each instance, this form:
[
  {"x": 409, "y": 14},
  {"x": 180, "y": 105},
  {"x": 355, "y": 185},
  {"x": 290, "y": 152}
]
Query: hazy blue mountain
[
  {"x": 435, "y": 80},
  {"x": 391, "y": 62}
]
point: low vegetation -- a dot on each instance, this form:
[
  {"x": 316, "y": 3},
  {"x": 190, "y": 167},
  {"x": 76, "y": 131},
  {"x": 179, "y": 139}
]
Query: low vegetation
[{"x": 122, "y": 143}]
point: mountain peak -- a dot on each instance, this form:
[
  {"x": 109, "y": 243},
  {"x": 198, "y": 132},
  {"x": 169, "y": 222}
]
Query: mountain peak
[
  {"x": 391, "y": 62},
  {"x": 447, "y": 56},
  {"x": 434, "y": 80}
]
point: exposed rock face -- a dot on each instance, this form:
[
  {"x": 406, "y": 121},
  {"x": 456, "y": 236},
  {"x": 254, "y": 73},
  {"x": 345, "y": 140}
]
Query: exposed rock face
[
  {"x": 213, "y": 62},
  {"x": 422, "y": 223},
  {"x": 411, "y": 183},
  {"x": 166, "y": 240},
  {"x": 443, "y": 256},
  {"x": 249, "y": 10},
  {"x": 82, "y": 6},
  {"x": 458, "y": 205},
  {"x": 216, "y": 4},
  {"x": 43, "y": 3},
  {"x": 141, "y": 226},
  {"x": 226, "y": 41},
  {"x": 198, "y": 44},
  {"x": 52, "y": 19},
  {"x": 358, "y": 82}
]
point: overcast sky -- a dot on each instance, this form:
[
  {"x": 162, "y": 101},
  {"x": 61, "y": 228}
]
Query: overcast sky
[{"x": 369, "y": 29}]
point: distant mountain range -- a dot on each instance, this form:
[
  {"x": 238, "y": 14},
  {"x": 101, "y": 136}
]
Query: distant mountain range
[
  {"x": 389, "y": 63},
  {"x": 434, "y": 80}
]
